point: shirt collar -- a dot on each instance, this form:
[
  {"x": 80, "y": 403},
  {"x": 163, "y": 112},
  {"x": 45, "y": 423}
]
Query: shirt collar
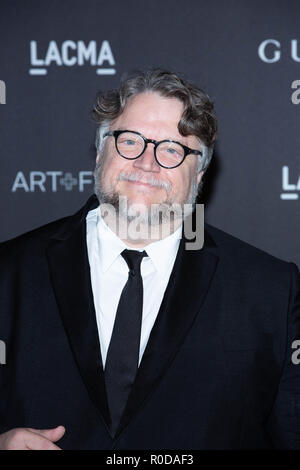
[{"x": 162, "y": 252}]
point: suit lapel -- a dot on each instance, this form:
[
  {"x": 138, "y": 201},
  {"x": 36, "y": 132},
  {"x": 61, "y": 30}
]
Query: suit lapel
[
  {"x": 70, "y": 276},
  {"x": 187, "y": 288}
]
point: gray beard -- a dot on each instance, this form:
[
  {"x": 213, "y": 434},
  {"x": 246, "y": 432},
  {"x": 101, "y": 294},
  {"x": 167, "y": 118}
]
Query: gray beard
[{"x": 156, "y": 214}]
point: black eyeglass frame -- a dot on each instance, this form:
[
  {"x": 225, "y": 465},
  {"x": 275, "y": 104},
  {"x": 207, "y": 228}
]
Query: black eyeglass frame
[{"x": 187, "y": 150}]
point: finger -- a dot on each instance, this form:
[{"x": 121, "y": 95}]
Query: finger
[
  {"x": 36, "y": 442},
  {"x": 53, "y": 434}
]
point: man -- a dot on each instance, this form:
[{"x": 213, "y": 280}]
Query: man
[{"x": 117, "y": 339}]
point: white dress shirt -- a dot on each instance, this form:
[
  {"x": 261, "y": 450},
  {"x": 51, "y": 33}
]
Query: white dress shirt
[{"x": 109, "y": 274}]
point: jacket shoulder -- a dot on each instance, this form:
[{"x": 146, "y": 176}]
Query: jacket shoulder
[
  {"x": 241, "y": 253},
  {"x": 33, "y": 238},
  {"x": 41, "y": 235}
]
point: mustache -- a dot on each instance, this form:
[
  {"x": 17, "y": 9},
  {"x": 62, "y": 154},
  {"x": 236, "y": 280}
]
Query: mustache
[{"x": 149, "y": 180}]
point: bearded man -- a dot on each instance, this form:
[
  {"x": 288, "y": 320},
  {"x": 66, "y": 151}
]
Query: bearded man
[{"x": 122, "y": 335}]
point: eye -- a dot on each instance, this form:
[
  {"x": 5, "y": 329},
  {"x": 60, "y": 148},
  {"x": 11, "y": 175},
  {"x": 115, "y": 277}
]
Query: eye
[
  {"x": 128, "y": 142},
  {"x": 172, "y": 151}
]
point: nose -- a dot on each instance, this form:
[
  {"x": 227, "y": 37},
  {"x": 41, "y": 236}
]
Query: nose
[{"x": 146, "y": 161}]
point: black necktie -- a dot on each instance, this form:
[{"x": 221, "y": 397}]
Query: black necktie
[{"x": 123, "y": 351}]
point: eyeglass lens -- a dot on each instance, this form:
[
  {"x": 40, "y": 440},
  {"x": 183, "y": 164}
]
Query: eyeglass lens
[{"x": 132, "y": 145}]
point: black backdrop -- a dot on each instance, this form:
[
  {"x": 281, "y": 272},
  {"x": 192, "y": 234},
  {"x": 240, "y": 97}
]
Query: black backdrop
[{"x": 55, "y": 55}]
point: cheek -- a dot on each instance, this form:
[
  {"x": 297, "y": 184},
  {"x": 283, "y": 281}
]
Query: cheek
[
  {"x": 112, "y": 168},
  {"x": 109, "y": 168},
  {"x": 180, "y": 183}
]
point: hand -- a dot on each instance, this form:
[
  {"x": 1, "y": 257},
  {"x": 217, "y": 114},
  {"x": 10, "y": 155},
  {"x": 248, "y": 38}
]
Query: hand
[{"x": 31, "y": 439}]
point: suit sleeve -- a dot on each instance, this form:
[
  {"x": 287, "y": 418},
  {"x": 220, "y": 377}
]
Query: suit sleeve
[
  {"x": 284, "y": 421},
  {"x": 6, "y": 270}
]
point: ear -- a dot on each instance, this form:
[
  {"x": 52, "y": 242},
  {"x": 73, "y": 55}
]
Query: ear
[
  {"x": 199, "y": 176},
  {"x": 96, "y": 163}
]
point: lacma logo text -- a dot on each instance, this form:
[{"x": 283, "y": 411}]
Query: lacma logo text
[
  {"x": 51, "y": 181},
  {"x": 289, "y": 187},
  {"x": 2, "y": 352},
  {"x": 70, "y": 53},
  {"x": 2, "y": 92}
]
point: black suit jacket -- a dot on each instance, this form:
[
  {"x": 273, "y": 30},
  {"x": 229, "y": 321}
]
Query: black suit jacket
[{"x": 217, "y": 370}]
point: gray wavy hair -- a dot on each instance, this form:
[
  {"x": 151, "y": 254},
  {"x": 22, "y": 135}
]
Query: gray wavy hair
[{"x": 197, "y": 118}]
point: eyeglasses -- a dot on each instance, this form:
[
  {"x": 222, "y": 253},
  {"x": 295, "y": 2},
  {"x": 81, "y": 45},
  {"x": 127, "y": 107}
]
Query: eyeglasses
[{"x": 167, "y": 153}]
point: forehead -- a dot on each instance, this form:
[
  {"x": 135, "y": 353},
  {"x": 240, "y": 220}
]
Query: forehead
[{"x": 151, "y": 111}]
